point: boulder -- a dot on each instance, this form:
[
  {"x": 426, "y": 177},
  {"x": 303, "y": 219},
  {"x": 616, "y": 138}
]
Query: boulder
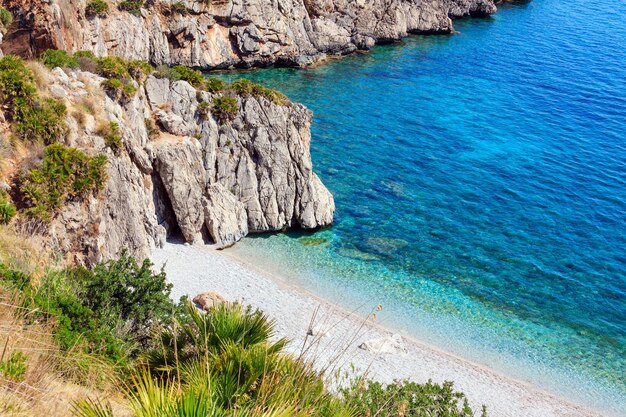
[{"x": 208, "y": 299}]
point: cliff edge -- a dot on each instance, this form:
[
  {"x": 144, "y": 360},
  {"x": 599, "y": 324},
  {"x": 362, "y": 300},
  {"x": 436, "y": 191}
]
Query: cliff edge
[
  {"x": 224, "y": 33},
  {"x": 211, "y": 167}
]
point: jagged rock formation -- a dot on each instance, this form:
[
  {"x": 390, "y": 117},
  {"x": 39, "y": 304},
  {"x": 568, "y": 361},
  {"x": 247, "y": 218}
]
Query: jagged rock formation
[
  {"x": 223, "y": 33},
  {"x": 212, "y": 181}
]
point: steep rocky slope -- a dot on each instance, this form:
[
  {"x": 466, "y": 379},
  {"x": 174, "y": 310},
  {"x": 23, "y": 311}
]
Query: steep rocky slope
[
  {"x": 223, "y": 33},
  {"x": 209, "y": 180}
]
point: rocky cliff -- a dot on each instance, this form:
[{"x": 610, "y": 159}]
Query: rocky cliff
[
  {"x": 205, "y": 179},
  {"x": 223, "y": 33}
]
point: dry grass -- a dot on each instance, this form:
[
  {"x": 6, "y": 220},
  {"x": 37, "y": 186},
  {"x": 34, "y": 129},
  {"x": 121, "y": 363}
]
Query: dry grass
[
  {"x": 46, "y": 388},
  {"x": 42, "y": 76},
  {"x": 21, "y": 250},
  {"x": 54, "y": 380}
]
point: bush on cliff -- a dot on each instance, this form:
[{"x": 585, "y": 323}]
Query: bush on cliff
[
  {"x": 180, "y": 72},
  {"x": 65, "y": 174},
  {"x": 98, "y": 8},
  {"x": 34, "y": 119},
  {"x": 53, "y": 58},
  {"x": 132, "y": 6},
  {"x": 119, "y": 90},
  {"x": 43, "y": 121},
  {"x": 247, "y": 87},
  {"x": 215, "y": 85},
  {"x": 120, "y": 75},
  {"x": 6, "y": 18},
  {"x": 17, "y": 84},
  {"x": 112, "y": 67},
  {"x": 225, "y": 107},
  {"x": 179, "y": 8},
  {"x": 112, "y": 136}
]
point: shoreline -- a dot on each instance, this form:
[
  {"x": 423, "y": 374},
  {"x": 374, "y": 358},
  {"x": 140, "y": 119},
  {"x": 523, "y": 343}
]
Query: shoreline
[{"x": 338, "y": 333}]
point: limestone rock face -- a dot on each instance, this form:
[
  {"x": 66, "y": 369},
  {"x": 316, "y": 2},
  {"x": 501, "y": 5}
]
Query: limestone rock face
[
  {"x": 232, "y": 32},
  {"x": 211, "y": 181},
  {"x": 179, "y": 164},
  {"x": 225, "y": 216},
  {"x": 262, "y": 156}
]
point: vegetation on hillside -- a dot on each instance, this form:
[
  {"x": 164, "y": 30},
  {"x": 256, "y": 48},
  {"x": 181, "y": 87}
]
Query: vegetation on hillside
[
  {"x": 109, "y": 341},
  {"x": 6, "y": 18},
  {"x": 115, "y": 326},
  {"x": 62, "y": 174},
  {"x": 98, "y": 8},
  {"x": 33, "y": 118}
]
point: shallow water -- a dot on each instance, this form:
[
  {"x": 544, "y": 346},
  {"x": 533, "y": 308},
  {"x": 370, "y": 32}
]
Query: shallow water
[{"x": 480, "y": 182}]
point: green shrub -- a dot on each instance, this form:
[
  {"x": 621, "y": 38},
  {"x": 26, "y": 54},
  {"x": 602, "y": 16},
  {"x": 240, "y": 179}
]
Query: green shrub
[
  {"x": 97, "y": 8},
  {"x": 139, "y": 70},
  {"x": 215, "y": 85},
  {"x": 199, "y": 335},
  {"x": 7, "y": 210},
  {"x": 247, "y": 87},
  {"x": 85, "y": 54},
  {"x": 180, "y": 72},
  {"x": 14, "y": 368},
  {"x": 17, "y": 84},
  {"x": 132, "y": 6},
  {"x": 112, "y": 67},
  {"x": 119, "y": 74},
  {"x": 86, "y": 61},
  {"x": 111, "y": 311},
  {"x": 34, "y": 119},
  {"x": 407, "y": 398},
  {"x": 119, "y": 89},
  {"x": 113, "y": 138},
  {"x": 53, "y": 58},
  {"x": 225, "y": 107},
  {"x": 192, "y": 76},
  {"x": 128, "y": 297},
  {"x": 65, "y": 173},
  {"x": 43, "y": 122},
  {"x": 203, "y": 109},
  {"x": 242, "y": 86},
  {"x": 6, "y": 18}
]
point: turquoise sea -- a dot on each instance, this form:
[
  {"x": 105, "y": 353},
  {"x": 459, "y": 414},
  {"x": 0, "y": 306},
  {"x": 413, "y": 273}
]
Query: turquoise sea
[{"x": 480, "y": 182}]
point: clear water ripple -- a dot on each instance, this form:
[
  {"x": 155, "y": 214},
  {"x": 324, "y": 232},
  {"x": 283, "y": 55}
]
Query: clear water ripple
[{"x": 480, "y": 182}]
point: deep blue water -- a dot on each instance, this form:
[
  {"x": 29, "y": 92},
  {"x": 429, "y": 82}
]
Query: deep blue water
[{"x": 480, "y": 182}]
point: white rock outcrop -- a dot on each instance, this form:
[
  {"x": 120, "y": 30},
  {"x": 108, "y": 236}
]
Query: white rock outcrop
[
  {"x": 210, "y": 181},
  {"x": 232, "y": 32}
]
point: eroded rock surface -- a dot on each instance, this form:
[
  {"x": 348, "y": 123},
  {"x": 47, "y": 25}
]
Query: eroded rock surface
[
  {"x": 231, "y": 32},
  {"x": 211, "y": 181},
  {"x": 225, "y": 216}
]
